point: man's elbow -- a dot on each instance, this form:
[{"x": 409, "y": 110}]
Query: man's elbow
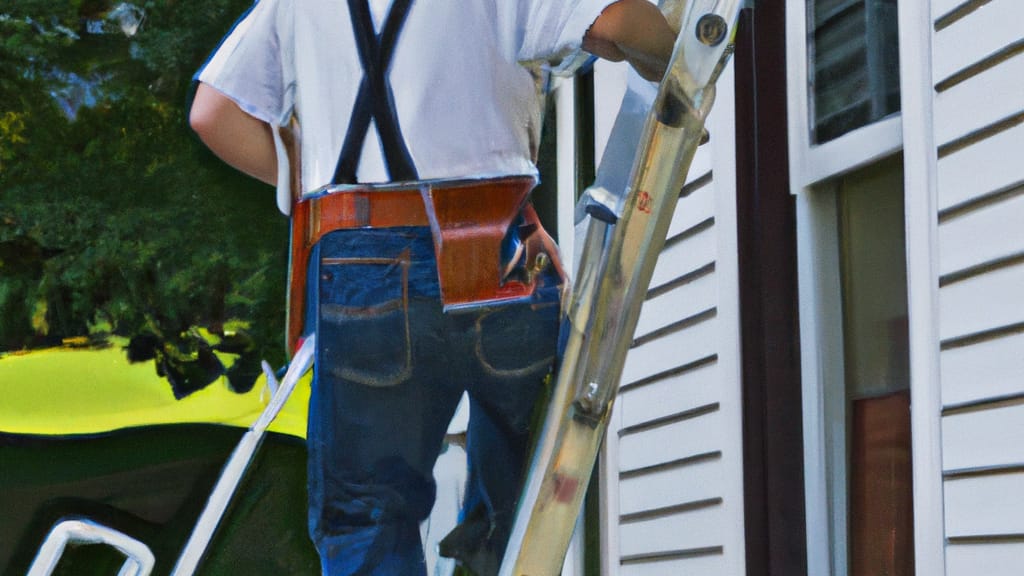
[
  {"x": 607, "y": 28},
  {"x": 200, "y": 123},
  {"x": 202, "y": 117},
  {"x": 634, "y": 30}
]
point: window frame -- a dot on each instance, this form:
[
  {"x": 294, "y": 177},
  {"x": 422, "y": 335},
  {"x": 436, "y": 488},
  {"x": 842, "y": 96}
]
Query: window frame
[{"x": 812, "y": 167}]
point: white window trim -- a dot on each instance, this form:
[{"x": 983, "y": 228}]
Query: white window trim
[
  {"x": 920, "y": 159},
  {"x": 811, "y": 166},
  {"x": 822, "y": 367},
  {"x": 809, "y": 163},
  {"x": 853, "y": 150}
]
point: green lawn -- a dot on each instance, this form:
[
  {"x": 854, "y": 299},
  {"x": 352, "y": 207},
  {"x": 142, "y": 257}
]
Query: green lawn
[{"x": 66, "y": 391}]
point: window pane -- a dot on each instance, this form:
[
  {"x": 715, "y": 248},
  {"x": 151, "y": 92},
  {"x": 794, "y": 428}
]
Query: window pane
[
  {"x": 854, "y": 64},
  {"x": 875, "y": 340},
  {"x": 874, "y": 282}
]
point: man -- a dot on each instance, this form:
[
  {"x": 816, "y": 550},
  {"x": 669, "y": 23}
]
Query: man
[{"x": 419, "y": 123}]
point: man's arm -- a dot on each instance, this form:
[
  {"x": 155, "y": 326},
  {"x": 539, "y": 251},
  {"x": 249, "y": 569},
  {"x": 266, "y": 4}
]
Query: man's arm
[
  {"x": 635, "y": 31},
  {"x": 239, "y": 139}
]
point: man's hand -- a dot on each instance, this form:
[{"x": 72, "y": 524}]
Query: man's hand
[{"x": 635, "y": 31}]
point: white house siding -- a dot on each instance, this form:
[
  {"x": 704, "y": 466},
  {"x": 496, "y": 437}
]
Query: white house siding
[
  {"x": 676, "y": 477},
  {"x": 978, "y": 69}
]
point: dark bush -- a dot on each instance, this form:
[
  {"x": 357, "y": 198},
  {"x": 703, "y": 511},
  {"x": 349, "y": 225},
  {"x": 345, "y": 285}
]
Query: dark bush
[{"x": 113, "y": 217}]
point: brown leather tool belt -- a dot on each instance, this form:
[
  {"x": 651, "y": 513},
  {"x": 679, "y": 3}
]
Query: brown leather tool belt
[{"x": 469, "y": 220}]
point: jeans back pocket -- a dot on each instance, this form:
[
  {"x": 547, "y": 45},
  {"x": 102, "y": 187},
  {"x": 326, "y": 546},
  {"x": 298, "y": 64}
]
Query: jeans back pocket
[{"x": 363, "y": 319}]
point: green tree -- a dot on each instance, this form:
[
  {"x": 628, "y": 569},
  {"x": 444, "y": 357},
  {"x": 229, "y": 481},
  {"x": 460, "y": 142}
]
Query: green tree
[{"x": 137, "y": 229}]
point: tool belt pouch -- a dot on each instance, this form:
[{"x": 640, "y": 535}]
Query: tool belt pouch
[{"x": 489, "y": 243}]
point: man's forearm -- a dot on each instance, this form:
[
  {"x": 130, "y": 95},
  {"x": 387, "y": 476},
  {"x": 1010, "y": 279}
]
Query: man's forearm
[
  {"x": 635, "y": 31},
  {"x": 239, "y": 139}
]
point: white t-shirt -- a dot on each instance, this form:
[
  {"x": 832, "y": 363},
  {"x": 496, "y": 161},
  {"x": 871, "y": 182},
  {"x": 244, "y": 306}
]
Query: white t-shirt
[{"x": 466, "y": 102}]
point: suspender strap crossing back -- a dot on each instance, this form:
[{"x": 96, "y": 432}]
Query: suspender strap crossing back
[{"x": 375, "y": 100}]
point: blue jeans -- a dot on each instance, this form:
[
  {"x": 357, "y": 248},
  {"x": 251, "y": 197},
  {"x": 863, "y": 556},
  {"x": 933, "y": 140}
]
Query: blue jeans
[{"x": 391, "y": 367}]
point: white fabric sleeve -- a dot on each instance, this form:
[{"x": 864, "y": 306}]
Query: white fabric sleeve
[
  {"x": 248, "y": 68},
  {"x": 553, "y": 30},
  {"x": 253, "y": 66}
]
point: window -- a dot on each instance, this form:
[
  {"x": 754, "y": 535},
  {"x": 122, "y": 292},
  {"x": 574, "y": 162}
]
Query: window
[
  {"x": 853, "y": 64},
  {"x": 875, "y": 391},
  {"x": 857, "y": 439}
]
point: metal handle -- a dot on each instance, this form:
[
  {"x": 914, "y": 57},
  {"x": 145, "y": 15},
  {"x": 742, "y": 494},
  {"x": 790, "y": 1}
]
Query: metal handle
[{"x": 139, "y": 561}]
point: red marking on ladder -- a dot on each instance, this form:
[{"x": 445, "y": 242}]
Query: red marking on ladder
[
  {"x": 565, "y": 488},
  {"x": 643, "y": 202}
]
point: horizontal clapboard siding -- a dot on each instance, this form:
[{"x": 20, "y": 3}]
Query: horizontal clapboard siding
[
  {"x": 983, "y": 370},
  {"x": 959, "y": 48},
  {"x": 982, "y": 172},
  {"x": 982, "y": 304},
  {"x": 701, "y": 561},
  {"x": 672, "y": 511},
  {"x": 990, "y": 559},
  {"x": 984, "y": 102},
  {"x": 691, "y": 296},
  {"x": 679, "y": 390},
  {"x": 665, "y": 355},
  {"x": 674, "y": 442},
  {"x": 701, "y": 528},
  {"x": 943, "y": 10},
  {"x": 978, "y": 63},
  {"x": 698, "y": 478},
  {"x": 983, "y": 238},
  {"x": 988, "y": 437},
  {"x": 682, "y": 257},
  {"x": 985, "y": 507}
]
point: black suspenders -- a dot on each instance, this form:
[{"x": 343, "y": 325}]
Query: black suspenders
[{"x": 375, "y": 101}]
